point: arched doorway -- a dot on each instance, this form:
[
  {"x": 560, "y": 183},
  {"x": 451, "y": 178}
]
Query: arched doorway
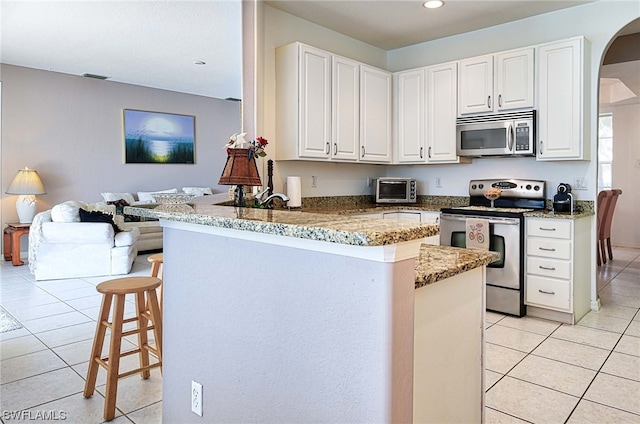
[{"x": 618, "y": 145}]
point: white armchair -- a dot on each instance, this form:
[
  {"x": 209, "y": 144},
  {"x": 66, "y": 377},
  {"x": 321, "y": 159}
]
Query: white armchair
[{"x": 59, "y": 249}]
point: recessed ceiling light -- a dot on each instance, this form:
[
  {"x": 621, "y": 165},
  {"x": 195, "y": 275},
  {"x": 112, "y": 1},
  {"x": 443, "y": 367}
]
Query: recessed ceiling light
[
  {"x": 199, "y": 62},
  {"x": 433, "y": 4}
]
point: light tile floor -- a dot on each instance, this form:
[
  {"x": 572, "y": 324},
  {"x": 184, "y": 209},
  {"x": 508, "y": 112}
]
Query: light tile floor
[{"x": 537, "y": 371}]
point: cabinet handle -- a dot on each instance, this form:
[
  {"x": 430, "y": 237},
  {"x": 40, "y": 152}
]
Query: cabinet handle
[
  {"x": 547, "y": 249},
  {"x": 540, "y": 146},
  {"x": 421, "y": 151},
  {"x": 547, "y": 229},
  {"x": 546, "y": 292},
  {"x": 335, "y": 149},
  {"x": 489, "y": 102},
  {"x": 499, "y": 100},
  {"x": 328, "y": 148},
  {"x": 547, "y": 268},
  {"x": 429, "y": 152},
  {"x": 362, "y": 151}
]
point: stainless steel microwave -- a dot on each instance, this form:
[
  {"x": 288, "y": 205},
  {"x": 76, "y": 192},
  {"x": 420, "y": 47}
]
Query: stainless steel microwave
[
  {"x": 505, "y": 134},
  {"x": 395, "y": 190}
]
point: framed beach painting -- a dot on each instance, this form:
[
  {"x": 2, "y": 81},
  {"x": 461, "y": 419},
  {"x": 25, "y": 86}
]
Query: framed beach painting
[{"x": 155, "y": 137}]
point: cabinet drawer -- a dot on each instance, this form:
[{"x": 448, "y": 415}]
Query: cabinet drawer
[
  {"x": 549, "y": 267},
  {"x": 557, "y": 249},
  {"x": 552, "y": 228},
  {"x": 548, "y": 292}
]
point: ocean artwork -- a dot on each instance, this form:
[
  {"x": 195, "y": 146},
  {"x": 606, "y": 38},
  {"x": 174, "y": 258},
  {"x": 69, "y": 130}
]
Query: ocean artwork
[{"x": 154, "y": 137}]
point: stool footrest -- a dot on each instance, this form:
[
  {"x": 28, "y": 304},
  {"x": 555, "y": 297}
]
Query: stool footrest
[
  {"x": 137, "y": 370},
  {"x": 137, "y": 330}
]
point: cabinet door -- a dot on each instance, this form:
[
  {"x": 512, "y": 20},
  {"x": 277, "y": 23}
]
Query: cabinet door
[
  {"x": 315, "y": 103},
  {"x": 475, "y": 85},
  {"x": 403, "y": 216},
  {"x": 410, "y": 116},
  {"x": 560, "y": 82},
  {"x": 375, "y": 115},
  {"x": 441, "y": 113},
  {"x": 514, "y": 79},
  {"x": 345, "y": 122}
]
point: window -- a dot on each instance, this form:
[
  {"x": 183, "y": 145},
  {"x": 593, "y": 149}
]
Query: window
[{"x": 605, "y": 151}]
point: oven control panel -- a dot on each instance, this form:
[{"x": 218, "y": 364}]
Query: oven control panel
[{"x": 515, "y": 188}]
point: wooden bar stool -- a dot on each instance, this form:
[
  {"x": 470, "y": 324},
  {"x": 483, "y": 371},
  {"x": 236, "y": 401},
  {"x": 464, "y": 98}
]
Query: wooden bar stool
[
  {"x": 147, "y": 309},
  {"x": 157, "y": 268}
]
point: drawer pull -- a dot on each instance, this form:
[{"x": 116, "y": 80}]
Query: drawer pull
[
  {"x": 547, "y": 268},
  {"x": 547, "y": 229},
  {"x": 546, "y": 292},
  {"x": 547, "y": 249}
]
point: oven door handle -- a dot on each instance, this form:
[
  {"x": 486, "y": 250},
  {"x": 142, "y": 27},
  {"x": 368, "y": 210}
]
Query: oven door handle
[{"x": 506, "y": 221}]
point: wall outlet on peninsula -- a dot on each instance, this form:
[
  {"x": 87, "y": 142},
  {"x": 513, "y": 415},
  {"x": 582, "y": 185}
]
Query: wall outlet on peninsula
[{"x": 196, "y": 397}]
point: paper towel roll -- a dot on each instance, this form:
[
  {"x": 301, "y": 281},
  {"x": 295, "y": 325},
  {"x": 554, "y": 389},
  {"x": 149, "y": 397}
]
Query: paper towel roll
[{"x": 294, "y": 192}]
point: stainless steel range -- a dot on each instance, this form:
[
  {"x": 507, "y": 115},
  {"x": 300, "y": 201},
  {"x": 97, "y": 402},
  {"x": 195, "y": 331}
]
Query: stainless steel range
[{"x": 505, "y": 277}]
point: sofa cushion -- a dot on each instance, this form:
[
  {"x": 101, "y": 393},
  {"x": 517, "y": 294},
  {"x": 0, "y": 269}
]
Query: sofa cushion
[
  {"x": 197, "y": 191},
  {"x": 67, "y": 211},
  {"x": 146, "y": 196},
  {"x": 127, "y": 238},
  {"x": 114, "y": 197},
  {"x": 76, "y": 233},
  {"x": 98, "y": 216}
]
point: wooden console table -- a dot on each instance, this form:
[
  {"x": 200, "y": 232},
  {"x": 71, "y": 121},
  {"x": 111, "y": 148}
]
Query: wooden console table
[{"x": 12, "y": 234}]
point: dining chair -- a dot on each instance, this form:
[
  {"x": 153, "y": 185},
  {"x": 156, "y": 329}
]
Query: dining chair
[{"x": 607, "y": 200}]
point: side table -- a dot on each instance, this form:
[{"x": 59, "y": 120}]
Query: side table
[{"x": 12, "y": 234}]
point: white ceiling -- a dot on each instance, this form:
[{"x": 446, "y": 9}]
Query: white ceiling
[
  {"x": 149, "y": 43},
  {"x": 391, "y": 24},
  {"x": 155, "y": 43}
]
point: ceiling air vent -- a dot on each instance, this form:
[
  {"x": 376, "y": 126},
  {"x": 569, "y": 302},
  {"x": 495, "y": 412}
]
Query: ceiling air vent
[{"x": 100, "y": 77}]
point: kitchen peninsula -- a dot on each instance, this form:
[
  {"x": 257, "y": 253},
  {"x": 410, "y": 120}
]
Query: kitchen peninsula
[{"x": 299, "y": 317}]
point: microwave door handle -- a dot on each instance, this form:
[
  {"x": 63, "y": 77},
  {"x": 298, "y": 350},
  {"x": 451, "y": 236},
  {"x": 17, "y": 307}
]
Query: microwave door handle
[{"x": 511, "y": 137}]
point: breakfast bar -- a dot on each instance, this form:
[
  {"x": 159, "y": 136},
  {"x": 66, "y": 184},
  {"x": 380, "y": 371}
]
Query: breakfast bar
[{"x": 290, "y": 316}]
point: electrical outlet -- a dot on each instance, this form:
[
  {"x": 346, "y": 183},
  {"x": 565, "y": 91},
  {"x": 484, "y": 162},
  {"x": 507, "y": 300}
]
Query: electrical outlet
[
  {"x": 196, "y": 398},
  {"x": 438, "y": 182},
  {"x": 314, "y": 181},
  {"x": 580, "y": 183}
]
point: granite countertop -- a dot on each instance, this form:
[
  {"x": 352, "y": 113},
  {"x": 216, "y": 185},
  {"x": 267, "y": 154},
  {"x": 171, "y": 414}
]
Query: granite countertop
[
  {"x": 357, "y": 231},
  {"x": 437, "y": 263},
  {"x": 371, "y": 208}
]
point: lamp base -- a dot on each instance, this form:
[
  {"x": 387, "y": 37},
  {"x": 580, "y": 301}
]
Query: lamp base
[
  {"x": 26, "y": 207},
  {"x": 238, "y": 197}
]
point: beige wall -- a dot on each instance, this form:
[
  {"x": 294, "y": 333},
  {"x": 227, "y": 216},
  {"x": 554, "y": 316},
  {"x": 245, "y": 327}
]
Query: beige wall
[
  {"x": 625, "y": 230},
  {"x": 69, "y": 129}
]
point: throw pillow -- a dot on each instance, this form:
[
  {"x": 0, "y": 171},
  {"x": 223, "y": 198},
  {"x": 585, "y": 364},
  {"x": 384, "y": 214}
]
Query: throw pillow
[
  {"x": 67, "y": 211},
  {"x": 113, "y": 197},
  {"x": 145, "y": 196},
  {"x": 97, "y": 216},
  {"x": 197, "y": 191}
]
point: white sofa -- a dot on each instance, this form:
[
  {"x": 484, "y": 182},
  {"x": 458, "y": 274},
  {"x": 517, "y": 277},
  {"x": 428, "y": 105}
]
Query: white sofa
[
  {"x": 150, "y": 230},
  {"x": 62, "y": 247}
]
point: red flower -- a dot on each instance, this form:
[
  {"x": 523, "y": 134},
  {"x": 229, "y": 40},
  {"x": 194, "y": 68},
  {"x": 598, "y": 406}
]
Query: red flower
[{"x": 263, "y": 141}]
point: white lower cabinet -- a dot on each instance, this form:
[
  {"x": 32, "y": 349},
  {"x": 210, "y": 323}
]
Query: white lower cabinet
[
  {"x": 557, "y": 268},
  {"x": 409, "y": 215}
]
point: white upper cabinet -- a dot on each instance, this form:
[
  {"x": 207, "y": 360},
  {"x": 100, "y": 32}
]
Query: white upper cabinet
[
  {"x": 495, "y": 83},
  {"x": 345, "y": 116},
  {"x": 426, "y": 109},
  {"x": 303, "y": 84},
  {"x": 441, "y": 113},
  {"x": 561, "y": 100},
  {"x": 410, "y": 115},
  {"x": 331, "y": 108},
  {"x": 475, "y": 85},
  {"x": 375, "y": 115},
  {"x": 514, "y": 79}
]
